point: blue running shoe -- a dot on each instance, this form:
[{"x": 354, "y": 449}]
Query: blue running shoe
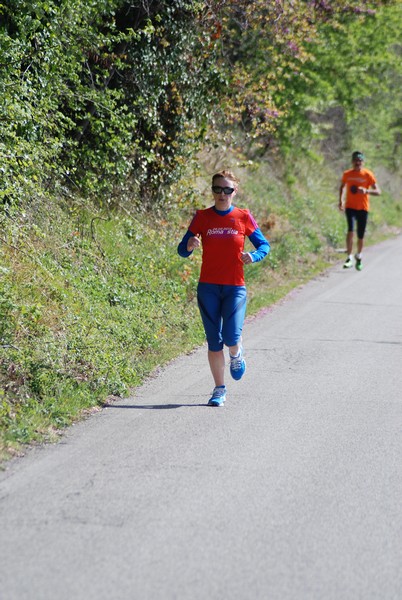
[
  {"x": 218, "y": 396},
  {"x": 237, "y": 365}
]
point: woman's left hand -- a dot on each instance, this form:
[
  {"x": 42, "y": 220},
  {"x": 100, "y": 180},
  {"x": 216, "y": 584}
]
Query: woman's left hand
[{"x": 246, "y": 258}]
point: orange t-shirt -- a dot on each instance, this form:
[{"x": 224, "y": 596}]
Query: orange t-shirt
[{"x": 363, "y": 178}]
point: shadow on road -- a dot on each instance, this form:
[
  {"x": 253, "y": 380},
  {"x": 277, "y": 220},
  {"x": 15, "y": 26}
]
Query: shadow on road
[{"x": 152, "y": 406}]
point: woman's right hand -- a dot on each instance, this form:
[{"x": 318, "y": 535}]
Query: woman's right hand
[{"x": 193, "y": 243}]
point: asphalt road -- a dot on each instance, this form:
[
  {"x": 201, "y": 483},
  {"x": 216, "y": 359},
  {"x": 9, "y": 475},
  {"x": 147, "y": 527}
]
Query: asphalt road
[{"x": 293, "y": 490}]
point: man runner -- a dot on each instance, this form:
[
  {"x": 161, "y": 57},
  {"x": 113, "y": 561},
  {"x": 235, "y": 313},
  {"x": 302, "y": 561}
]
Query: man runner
[{"x": 359, "y": 183}]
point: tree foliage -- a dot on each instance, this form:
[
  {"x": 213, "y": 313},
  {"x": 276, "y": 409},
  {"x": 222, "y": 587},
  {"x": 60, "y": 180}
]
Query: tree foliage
[
  {"x": 99, "y": 93},
  {"x": 288, "y": 58},
  {"x": 106, "y": 96}
]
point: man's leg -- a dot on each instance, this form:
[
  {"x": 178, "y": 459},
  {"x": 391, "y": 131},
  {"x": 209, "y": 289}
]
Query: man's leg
[
  {"x": 350, "y": 217},
  {"x": 362, "y": 218},
  {"x": 349, "y": 249},
  {"x": 349, "y": 243},
  {"x": 358, "y": 256}
]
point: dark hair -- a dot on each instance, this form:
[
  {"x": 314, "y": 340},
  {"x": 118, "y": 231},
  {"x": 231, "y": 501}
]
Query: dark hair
[{"x": 357, "y": 154}]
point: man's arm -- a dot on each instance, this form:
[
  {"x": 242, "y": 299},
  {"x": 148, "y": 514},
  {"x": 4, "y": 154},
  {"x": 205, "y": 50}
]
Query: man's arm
[
  {"x": 341, "y": 207},
  {"x": 374, "y": 190}
]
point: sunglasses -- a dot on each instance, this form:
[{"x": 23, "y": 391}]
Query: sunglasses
[{"x": 217, "y": 189}]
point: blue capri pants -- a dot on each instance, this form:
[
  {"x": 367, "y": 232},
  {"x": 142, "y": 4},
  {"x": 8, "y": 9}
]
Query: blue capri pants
[{"x": 222, "y": 308}]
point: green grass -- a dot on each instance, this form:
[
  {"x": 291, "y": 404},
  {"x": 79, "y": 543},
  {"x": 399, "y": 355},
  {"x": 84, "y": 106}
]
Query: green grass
[{"x": 91, "y": 303}]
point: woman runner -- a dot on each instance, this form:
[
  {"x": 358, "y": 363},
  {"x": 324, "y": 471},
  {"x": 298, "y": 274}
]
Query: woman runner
[{"x": 221, "y": 291}]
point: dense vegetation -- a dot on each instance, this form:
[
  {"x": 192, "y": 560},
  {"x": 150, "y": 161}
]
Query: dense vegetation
[{"x": 110, "y": 111}]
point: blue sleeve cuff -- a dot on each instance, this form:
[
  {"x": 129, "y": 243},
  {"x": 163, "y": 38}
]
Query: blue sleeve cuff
[
  {"x": 182, "y": 247},
  {"x": 260, "y": 243}
]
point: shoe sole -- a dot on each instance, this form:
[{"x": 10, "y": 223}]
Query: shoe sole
[{"x": 216, "y": 403}]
